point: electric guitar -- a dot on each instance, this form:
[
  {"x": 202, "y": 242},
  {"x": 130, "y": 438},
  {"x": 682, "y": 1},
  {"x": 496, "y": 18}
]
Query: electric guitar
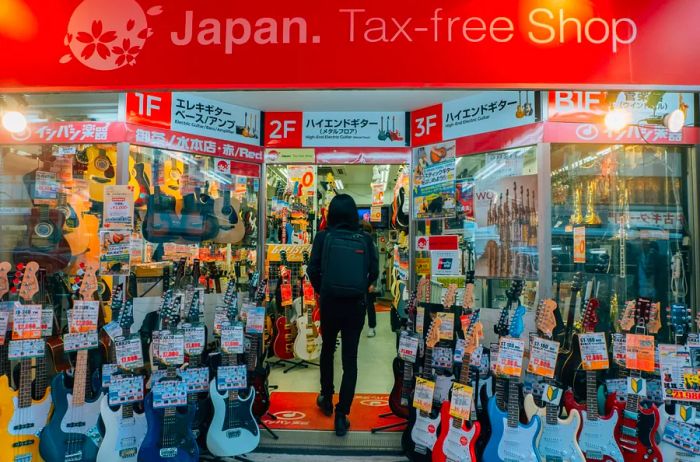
[
  {"x": 125, "y": 428},
  {"x": 283, "y": 346},
  {"x": 307, "y": 344},
  {"x": 399, "y": 398},
  {"x": 457, "y": 440},
  {"x": 72, "y": 434},
  {"x": 569, "y": 360},
  {"x": 557, "y": 440},
  {"x": 679, "y": 318},
  {"x": 22, "y": 418},
  {"x": 636, "y": 430},
  {"x": 169, "y": 437},
  {"x": 510, "y": 440},
  {"x": 234, "y": 430}
]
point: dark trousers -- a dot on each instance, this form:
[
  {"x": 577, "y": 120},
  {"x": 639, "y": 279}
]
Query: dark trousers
[
  {"x": 371, "y": 310},
  {"x": 348, "y": 318}
]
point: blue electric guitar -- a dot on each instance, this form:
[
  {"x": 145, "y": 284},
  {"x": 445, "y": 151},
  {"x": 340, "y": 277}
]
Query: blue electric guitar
[
  {"x": 510, "y": 440},
  {"x": 72, "y": 434},
  {"x": 169, "y": 437},
  {"x": 233, "y": 430}
]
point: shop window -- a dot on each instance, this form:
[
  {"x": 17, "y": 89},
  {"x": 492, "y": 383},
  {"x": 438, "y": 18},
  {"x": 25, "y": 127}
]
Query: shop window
[{"x": 620, "y": 219}]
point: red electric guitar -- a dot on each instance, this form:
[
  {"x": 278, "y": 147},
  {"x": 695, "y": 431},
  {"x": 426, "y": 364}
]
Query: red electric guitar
[{"x": 283, "y": 345}]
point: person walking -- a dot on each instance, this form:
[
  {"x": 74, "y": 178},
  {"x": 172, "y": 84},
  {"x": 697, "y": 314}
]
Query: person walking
[{"x": 343, "y": 266}]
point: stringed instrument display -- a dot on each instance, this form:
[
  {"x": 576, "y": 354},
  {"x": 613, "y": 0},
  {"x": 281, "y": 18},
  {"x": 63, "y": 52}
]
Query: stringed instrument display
[
  {"x": 283, "y": 345},
  {"x": 425, "y": 429},
  {"x": 307, "y": 344}
]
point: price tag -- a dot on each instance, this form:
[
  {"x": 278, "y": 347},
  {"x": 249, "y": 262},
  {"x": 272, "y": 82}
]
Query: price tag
[
  {"x": 22, "y": 349},
  {"x": 194, "y": 338},
  {"x": 420, "y": 319},
  {"x": 220, "y": 318},
  {"x": 309, "y": 295},
  {"x": 169, "y": 393},
  {"x": 693, "y": 340},
  {"x": 4, "y": 319},
  {"x": 80, "y": 341},
  {"x": 459, "y": 351},
  {"x": 447, "y": 326},
  {"x": 552, "y": 395},
  {"x": 232, "y": 339},
  {"x": 476, "y": 356},
  {"x": 510, "y": 356},
  {"x": 113, "y": 330},
  {"x": 83, "y": 316},
  {"x": 640, "y": 352},
  {"x": 108, "y": 371},
  {"x": 197, "y": 379},
  {"x": 26, "y": 322},
  {"x": 461, "y": 402},
  {"x": 423, "y": 394},
  {"x": 129, "y": 353},
  {"x": 231, "y": 378},
  {"x": 171, "y": 349},
  {"x": 408, "y": 347},
  {"x": 125, "y": 389},
  {"x": 46, "y": 322},
  {"x": 543, "y": 357},
  {"x": 594, "y": 351},
  {"x": 255, "y": 322},
  {"x": 493, "y": 356},
  {"x": 442, "y": 357},
  {"x": 619, "y": 349},
  {"x": 286, "y": 294}
]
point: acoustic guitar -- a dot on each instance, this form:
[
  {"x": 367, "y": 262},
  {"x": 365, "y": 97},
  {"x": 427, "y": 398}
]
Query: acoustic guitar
[{"x": 227, "y": 210}]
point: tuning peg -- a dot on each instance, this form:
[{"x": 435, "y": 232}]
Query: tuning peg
[{"x": 20, "y": 266}]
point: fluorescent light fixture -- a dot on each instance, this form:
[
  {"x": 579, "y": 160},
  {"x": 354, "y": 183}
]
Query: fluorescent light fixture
[{"x": 339, "y": 184}]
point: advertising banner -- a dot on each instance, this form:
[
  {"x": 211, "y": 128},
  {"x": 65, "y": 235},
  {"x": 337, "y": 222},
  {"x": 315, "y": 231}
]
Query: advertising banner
[{"x": 434, "y": 181}]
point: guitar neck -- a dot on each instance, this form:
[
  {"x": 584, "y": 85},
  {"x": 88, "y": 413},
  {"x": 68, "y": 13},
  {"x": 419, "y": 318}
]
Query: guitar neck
[
  {"x": 591, "y": 396},
  {"x": 513, "y": 403},
  {"x": 25, "y": 383},
  {"x": 463, "y": 379},
  {"x": 80, "y": 378},
  {"x": 168, "y": 437}
]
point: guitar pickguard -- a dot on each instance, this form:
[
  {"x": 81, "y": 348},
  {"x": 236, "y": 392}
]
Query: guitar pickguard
[
  {"x": 458, "y": 443},
  {"x": 596, "y": 439},
  {"x": 239, "y": 419},
  {"x": 82, "y": 419},
  {"x": 29, "y": 421}
]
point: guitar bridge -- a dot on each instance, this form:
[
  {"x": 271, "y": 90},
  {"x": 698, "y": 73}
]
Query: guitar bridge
[
  {"x": 74, "y": 457},
  {"x": 233, "y": 433},
  {"x": 168, "y": 453}
]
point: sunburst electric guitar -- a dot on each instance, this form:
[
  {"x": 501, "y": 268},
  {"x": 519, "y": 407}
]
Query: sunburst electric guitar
[{"x": 307, "y": 344}]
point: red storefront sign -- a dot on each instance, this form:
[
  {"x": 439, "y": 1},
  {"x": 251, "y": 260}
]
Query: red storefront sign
[
  {"x": 180, "y": 44},
  {"x": 283, "y": 129},
  {"x": 564, "y": 132},
  {"x": 363, "y": 155},
  {"x": 66, "y": 133}
]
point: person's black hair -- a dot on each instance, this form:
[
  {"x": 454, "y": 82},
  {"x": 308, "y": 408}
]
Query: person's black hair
[{"x": 342, "y": 212}]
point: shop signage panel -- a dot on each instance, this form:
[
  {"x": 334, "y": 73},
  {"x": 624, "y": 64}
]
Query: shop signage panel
[
  {"x": 193, "y": 114},
  {"x": 644, "y": 107},
  {"x": 180, "y": 44},
  {"x": 66, "y": 132},
  {"x": 566, "y": 132},
  {"x": 290, "y": 155},
  {"x": 283, "y": 129},
  {"x": 363, "y": 156},
  {"x": 426, "y": 125},
  {"x": 354, "y": 129}
]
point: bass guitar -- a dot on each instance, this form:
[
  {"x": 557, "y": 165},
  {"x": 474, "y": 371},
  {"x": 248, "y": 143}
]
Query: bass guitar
[
  {"x": 511, "y": 440},
  {"x": 72, "y": 434},
  {"x": 399, "y": 398},
  {"x": 558, "y": 438},
  {"x": 169, "y": 436},
  {"x": 125, "y": 428},
  {"x": 636, "y": 430},
  {"x": 457, "y": 441},
  {"x": 283, "y": 346},
  {"x": 307, "y": 344},
  {"x": 234, "y": 430},
  {"x": 569, "y": 359}
]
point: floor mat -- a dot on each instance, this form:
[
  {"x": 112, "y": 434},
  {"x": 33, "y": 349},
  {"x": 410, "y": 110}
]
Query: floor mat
[
  {"x": 382, "y": 306},
  {"x": 298, "y": 411}
]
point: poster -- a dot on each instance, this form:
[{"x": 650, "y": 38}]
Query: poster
[
  {"x": 302, "y": 180},
  {"x": 434, "y": 186},
  {"x": 580, "y": 244},
  {"x": 680, "y": 372},
  {"x": 465, "y": 197},
  {"x": 118, "y": 207},
  {"x": 115, "y": 252}
]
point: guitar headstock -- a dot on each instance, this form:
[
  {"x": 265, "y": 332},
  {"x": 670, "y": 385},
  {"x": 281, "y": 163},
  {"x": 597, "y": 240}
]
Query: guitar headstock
[
  {"x": 473, "y": 333},
  {"x": 422, "y": 289},
  {"x": 194, "y": 313},
  {"x": 305, "y": 259},
  {"x": 545, "y": 320},
  {"x": 513, "y": 293},
  {"x": 468, "y": 300},
  {"x": 411, "y": 305},
  {"x": 589, "y": 320},
  {"x": 116, "y": 302},
  {"x": 450, "y": 296},
  {"x": 627, "y": 319},
  {"x": 126, "y": 315},
  {"x": 30, "y": 284},
  {"x": 260, "y": 292},
  {"x": 433, "y": 336},
  {"x": 88, "y": 285},
  {"x": 642, "y": 314},
  {"x": 167, "y": 310},
  {"x": 654, "y": 324},
  {"x": 517, "y": 325},
  {"x": 283, "y": 261},
  {"x": 576, "y": 283},
  {"x": 5, "y": 268},
  {"x": 679, "y": 318}
]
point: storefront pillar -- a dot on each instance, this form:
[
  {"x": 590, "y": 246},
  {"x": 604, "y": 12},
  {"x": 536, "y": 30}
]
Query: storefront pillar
[{"x": 544, "y": 205}]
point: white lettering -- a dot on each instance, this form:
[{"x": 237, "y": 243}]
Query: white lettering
[
  {"x": 352, "y": 20},
  {"x": 187, "y": 34},
  {"x": 550, "y": 29}
]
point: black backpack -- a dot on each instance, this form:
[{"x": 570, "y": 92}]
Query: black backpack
[{"x": 345, "y": 264}]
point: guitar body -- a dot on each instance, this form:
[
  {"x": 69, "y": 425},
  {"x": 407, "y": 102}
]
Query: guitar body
[
  {"x": 556, "y": 442},
  {"x": 185, "y": 449},
  {"x": 258, "y": 380},
  {"x": 202, "y": 416},
  {"x": 70, "y": 430},
  {"x": 307, "y": 344},
  {"x": 596, "y": 436},
  {"x": 281, "y": 346},
  {"x": 508, "y": 444},
  {"x": 425, "y": 431},
  {"x": 569, "y": 372},
  {"x": 123, "y": 436},
  {"x": 397, "y": 390},
  {"x": 455, "y": 444},
  {"x": 158, "y": 223},
  {"x": 232, "y": 229},
  {"x": 19, "y": 426},
  {"x": 642, "y": 447},
  {"x": 233, "y": 429},
  {"x": 485, "y": 389}
]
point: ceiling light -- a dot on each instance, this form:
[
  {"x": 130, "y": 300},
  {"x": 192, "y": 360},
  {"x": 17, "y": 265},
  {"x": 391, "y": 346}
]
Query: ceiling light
[
  {"x": 14, "y": 121},
  {"x": 617, "y": 119},
  {"x": 339, "y": 184},
  {"x": 674, "y": 120}
]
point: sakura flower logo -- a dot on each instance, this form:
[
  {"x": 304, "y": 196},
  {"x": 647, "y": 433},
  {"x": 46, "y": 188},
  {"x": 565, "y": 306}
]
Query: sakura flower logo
[{"x": 106, "y": 34}]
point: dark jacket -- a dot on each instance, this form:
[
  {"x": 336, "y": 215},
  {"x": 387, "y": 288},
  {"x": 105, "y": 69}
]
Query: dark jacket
[{"x": 314, "y": 268}]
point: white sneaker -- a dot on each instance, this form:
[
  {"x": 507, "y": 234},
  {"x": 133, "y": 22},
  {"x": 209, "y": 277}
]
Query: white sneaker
[{"x": 371, "y": 333}]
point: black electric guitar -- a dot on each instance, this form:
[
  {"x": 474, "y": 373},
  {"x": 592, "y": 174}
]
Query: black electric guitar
[{"x": 160, "y": 215}]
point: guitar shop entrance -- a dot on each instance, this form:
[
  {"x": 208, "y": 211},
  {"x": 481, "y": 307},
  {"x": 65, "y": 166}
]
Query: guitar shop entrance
[{"x": 298, "y": 196}]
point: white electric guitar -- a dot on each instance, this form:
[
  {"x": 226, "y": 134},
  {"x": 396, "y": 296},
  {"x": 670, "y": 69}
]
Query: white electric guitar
[
  {"x": 424, "y": 432},
  {"x": 124, "y": 428},
  {"x": 307, "y": 344}
]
